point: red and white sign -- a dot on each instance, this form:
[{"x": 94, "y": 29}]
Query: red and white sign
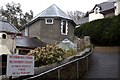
[{"x": 19, "y": 65}]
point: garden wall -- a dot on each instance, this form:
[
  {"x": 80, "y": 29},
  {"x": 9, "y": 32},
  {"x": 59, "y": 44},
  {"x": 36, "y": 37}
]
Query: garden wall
[{"x": 107, "y": 49}]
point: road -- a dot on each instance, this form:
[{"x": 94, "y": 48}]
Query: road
[{"x": 104, "y": 65}]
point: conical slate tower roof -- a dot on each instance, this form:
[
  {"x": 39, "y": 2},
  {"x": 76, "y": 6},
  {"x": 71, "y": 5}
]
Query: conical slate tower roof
[{"x": 52, "y": 11}]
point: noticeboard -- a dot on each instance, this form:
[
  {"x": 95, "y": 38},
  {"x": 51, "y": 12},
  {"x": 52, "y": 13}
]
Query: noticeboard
[{"x": 19, "y": 65}]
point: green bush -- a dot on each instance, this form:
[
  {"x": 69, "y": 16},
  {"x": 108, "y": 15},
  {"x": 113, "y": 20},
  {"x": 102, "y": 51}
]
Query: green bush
[
  {"x": 70, "y": 52},
  {"x": 50, "y": 54},
  {"x": 103, "y": 32}
]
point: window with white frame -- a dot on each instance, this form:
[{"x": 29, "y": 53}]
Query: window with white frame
[
  {"x": 49, "y": 21},
  {"x": 26, "y": 31},
  {"x": 64, "y": 27},
  {"x": 97, "y": 10}
]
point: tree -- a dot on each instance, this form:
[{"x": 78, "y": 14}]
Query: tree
[
  {"x": 13, "y": 13},
  {"x": 75, "y": 15}
]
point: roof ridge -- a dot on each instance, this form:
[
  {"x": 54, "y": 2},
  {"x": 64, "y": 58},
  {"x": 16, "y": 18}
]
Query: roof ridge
[{"x": 56, "y": 10}]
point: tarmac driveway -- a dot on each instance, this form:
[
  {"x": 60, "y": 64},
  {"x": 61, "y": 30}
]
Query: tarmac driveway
[{"x": 104, "y": 65}]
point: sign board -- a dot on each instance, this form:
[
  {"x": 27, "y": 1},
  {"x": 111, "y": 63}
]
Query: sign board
[{"x": 19, "y": 65}]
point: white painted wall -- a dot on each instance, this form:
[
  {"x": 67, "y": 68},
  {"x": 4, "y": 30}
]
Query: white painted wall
[
  {"x": 7, "y": 44},
  {"x": 94, "y": 16},
  {"x": 117, "y": 10}
]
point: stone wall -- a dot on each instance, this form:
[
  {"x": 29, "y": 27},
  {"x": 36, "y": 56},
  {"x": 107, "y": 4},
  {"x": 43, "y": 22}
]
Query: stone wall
[
  {"x": 107, "y": 49},
  {"x": 82, "y": 42}
]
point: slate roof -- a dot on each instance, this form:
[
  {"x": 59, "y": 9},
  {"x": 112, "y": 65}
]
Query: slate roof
[
  {"x": 104, "y": 6},
  {"x": 111, "y": 0},
  {"x": 52, "y": 11},
  {"x": 5, "y": 26},
  {"x": 29, "y": 43},
  {"x": 82, "y": 20}
]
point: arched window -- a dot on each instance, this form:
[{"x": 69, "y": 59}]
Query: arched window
[
  {"x": 97, "y": 10},
  {"x": 4, "y": 36}
]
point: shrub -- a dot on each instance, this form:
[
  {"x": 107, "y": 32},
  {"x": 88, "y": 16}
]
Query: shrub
[
  {"x": 48, "y": 55},
  {"x": 70, "y": 52}
]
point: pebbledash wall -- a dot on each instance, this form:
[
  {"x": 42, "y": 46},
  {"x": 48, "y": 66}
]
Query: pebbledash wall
[{"x": 50, "y": 33}]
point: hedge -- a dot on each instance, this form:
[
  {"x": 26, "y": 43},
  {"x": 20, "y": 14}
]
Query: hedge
[{"x": 103, "y": 32}]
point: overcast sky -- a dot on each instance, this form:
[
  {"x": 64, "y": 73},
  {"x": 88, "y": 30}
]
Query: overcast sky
[{"x": 38, "y": 6}]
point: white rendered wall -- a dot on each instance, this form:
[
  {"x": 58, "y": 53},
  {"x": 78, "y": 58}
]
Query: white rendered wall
[
  {"x": 117, "y": 10},
  {"x": 94, "y": 16},
  {"x": 8, "y": 43}
]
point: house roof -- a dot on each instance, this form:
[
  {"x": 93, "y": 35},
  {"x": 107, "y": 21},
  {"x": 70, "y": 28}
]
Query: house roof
[
  {"x": 82, "y": 20},
  {"x": 105, "y": 6},
  {"x": 5, "y": 26},
  {"x": 111, "y": 0},
  {"x": 30, "y": 43},
  {"x": 52, "y": 11}
]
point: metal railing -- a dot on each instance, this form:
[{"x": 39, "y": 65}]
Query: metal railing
[{"x": 58, "y": 68}]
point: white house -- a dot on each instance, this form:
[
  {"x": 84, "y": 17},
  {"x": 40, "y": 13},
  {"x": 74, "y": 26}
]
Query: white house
[
  {"x": 105, "y": 9},
  {"x": 8, "y": 34},
  {"x": 102, "y": 10},
  {"x": 3, "y": 47}
]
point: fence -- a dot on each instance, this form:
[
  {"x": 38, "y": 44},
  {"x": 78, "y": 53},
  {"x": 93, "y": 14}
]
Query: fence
[{"x": 73, "y": 69}]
